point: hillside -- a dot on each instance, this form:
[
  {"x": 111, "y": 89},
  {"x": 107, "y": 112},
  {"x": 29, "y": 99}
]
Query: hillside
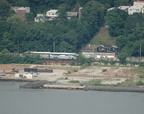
[{"x": 103, "y": 38}]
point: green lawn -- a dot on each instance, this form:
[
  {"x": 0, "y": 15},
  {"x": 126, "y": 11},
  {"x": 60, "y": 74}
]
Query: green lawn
[{"x": 103, "y": 38}]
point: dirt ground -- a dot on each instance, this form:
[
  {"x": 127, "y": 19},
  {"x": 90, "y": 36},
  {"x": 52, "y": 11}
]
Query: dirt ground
[{"x": 63, "y": 74}]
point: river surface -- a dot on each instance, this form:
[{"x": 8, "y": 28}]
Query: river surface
[{"x": 43, "y": 101}]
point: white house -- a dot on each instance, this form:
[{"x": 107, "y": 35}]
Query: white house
[
  {"x": 51, "y": 14},
  {"x": 72, "y": 14},
  {"x": 125, "y": 8},
  {"x": 27, "y": 9},
  {"x": 136, "y": 9},
  {"x": 39, "y": 18}
]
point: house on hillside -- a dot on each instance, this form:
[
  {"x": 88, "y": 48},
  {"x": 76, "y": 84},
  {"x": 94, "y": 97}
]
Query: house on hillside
[
  {"x": 52, "y": 14},
  {"x": 39, "y": 18},
  {"x": 72, "y": 15},
  {"x": 21, "y": 11},
  {"x": 125, "y": 8},
  {"x": 107, "y": 48},
  {"x": 138, "y": 3},
  {"x": 100, "y": 51},
  {"x": 136, "y": 9}
]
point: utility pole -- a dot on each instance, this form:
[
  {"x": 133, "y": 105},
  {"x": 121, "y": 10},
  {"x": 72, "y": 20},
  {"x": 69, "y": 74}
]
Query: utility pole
[
  {"x": 54, "y": 46},
  {"x": 18, "y": 48},
  {"x": 140, "y": 51}
]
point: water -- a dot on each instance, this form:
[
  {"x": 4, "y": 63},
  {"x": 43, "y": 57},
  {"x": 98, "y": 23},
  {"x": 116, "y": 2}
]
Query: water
[{"x": 43, "y": 101}]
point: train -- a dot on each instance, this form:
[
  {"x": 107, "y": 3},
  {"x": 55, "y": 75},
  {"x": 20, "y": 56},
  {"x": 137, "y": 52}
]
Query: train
[{"x": 53, "y": 55}]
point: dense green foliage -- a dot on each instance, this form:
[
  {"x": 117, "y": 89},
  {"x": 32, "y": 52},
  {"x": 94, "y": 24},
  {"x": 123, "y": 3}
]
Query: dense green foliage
[
  {"x": 16, "y": 58},
  {"x": 63, "y": 35},
  {"x": 60, "y": 35},
  {"x": 128, "y": 30}
]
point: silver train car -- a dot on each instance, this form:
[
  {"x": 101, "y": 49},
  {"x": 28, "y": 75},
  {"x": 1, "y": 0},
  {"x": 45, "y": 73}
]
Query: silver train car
[{"x": 53, "y": 55}]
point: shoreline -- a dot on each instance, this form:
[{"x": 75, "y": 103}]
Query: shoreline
[{"x": 53, "y": 85}]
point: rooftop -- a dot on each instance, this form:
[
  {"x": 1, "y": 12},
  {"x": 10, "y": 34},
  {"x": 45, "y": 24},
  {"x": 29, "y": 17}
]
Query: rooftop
[
  {"x": 70, "y": 14},
  {"x": 54, "y": 11}
]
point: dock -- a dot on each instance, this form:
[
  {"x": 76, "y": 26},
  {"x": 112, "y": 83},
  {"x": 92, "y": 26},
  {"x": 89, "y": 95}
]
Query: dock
[
  {"x": 69, "y": 87},
  {"x": 34, "y": 85}
]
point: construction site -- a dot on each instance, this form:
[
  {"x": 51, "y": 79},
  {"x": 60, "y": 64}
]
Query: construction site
[{"x": 65, "y": 76}]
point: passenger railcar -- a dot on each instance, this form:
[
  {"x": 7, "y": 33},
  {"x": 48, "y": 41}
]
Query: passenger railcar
[{"x": 59, "y": 55}]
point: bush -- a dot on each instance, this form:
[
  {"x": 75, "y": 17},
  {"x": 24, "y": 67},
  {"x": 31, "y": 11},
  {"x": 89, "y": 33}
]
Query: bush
[
  {"x": 95, "y": 82},
  {"x": 112, "y": 62},
  {"x": 75, "y": 70},
  {"x": 84, "y": 65},
  {"x": 73, "y": 63},
  {"x": 66, "y": 78},
  {"x": 105, "y": 62},
  {"x": 139, "y": 83},
  {"x": 104, "y": 70},
  {"x": 141, "y": 76},
  {"x": 63, "y": 64},
  {"x": 73, "y": 81},
  {"x": 69, "y": 72},
  {"x": 142, "y": 64}
]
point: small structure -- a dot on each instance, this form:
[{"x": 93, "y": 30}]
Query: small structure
[
  {"x": 30, "y": 69},
  {"x": 125, "y": 8},
  {"x": 100, "y": 52},
  {"x": 72, "y": 14},
  {"x": 28, "y": 76},
  {"x": 21, "y": 11},
  {"x": 79, "y": 13},
  {"x": 35, "y": 70},
  {"x": 39, "y": 18},
  {"x": 136, "y": 9},
  {"x": 52, "y": 14},
  {"x": 137, "y": 3},
  {"x": 107, "y": 48}
]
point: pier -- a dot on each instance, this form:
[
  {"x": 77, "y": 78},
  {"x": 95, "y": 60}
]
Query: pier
[{"x": 69, "y": 87}]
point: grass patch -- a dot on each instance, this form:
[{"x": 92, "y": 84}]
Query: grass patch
[
  {"x": 138, "y": 69},
  {"x": 75, "y": 70},
  {"x": 103, "y": 38},
  {"x": 95, "y": 82},
  {"x": 141, "y": 76},
  {"x": 63, "y": 64},
  {"x": 139, "y": 83},
  {"x": 68, "y": 72},
  {"x": 84, "y": 65},
  {"x": 73, "y": 81},
  {"x": 127, "y": 82},
  {"x": 104, "y": 70}
]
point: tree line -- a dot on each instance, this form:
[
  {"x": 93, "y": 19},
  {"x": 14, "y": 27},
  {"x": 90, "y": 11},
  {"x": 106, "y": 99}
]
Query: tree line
[
  {"x": 19, "y": 35},
  {"x": 60, "y": 35},
  {"x": 128, "y": 31}
]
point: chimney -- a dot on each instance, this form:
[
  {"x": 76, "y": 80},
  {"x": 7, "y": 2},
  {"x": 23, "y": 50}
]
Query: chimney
[{"x": 79, "y": 13}]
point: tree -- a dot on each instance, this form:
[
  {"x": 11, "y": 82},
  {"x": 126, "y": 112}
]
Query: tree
[
  {"x": 4, "y": 9},
  {"x": 4, "y": 26},
  {"x": 93, "y": 15},
  {"x": 132, "y": 22},
  {"x": 116, "y": 20},
  {"x": 123, "y": 2},
  {"x": 122, "y": 57}
]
